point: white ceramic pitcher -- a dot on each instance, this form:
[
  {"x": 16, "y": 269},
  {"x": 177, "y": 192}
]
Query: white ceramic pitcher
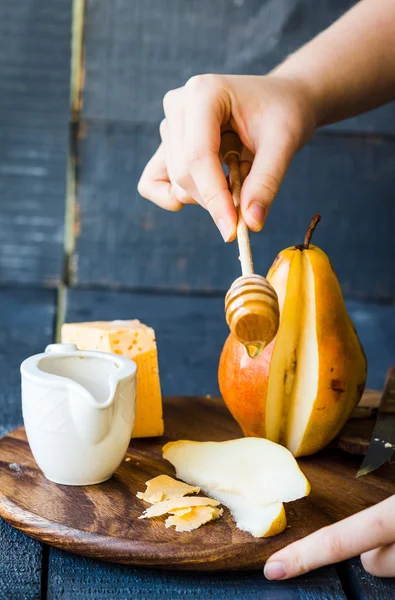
[{"x": 78, "y": 409}]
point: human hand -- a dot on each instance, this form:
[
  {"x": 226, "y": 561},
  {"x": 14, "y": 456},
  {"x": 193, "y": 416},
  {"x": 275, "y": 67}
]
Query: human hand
[
  {"x": 369, "y": 533},
  {"x": 273, "y": 116}
]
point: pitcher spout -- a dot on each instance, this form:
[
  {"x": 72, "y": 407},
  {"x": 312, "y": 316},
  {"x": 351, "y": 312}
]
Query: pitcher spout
[{"x": 92, "y": 380}]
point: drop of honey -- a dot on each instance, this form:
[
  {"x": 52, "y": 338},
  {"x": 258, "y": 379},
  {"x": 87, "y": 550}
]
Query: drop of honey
[{"x": 254, "y": 349}]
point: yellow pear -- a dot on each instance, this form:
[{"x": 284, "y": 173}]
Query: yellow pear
[
  {"x": 318, "y": 369},
  {"x": 305, "y": 386}
]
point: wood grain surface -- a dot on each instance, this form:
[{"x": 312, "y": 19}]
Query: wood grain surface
[
  {"x": 128, "y": 69},
  {"x": 182, "y": 322},
  {"x": 101, "y": 521},
  {"x": 355, "y": 436},
  {"x": 34, "y": 138},
  {"x": 78, "y": 578},
  {"x": 129, "y": 242},
  {"x": 26, "y": 327},
  {"x": 362, "y": 586}
]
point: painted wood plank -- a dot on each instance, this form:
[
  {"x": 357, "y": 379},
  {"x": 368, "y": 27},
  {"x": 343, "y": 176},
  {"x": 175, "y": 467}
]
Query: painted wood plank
[
  {"x": 26, "y": 326},
  {"x": 191, "y": 331},
  {"x": 76, "y": 578},
  {"x": 127, "y": 241},
  {"x": 362, "y": 586},
  {"x": 34, "y": 113},
  {"x": 375, "y": 324},
  {"x": 135, "y": 52},
  {"x": 21, "y": 561}
]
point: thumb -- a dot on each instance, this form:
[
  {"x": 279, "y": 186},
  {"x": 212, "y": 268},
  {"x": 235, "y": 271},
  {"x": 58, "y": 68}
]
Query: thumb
[{"x": 274, "y": 154}]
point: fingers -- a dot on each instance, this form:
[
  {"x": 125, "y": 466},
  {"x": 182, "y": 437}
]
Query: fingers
[
  {"x": 380, "y": 562},
  {"x": 191, "y": 136},
  {"x": 270, "y": 116},
  {"x": 206, "y": 108},
  {"x": 154, "y": 184},
  {"x": 274, "y": 155},
  {"x": 178, "y": 191},
  {"x": 172, "y": 134},
  {"x": 355, "y": 535}
]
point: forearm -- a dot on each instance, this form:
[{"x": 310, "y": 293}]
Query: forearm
[{"x": 350, "y": 67}]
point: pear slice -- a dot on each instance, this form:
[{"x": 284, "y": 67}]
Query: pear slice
[
  {"x": 255, "y": 468},
  {"x": 305, "y": 388},
  {"x": 284, "y": 357},
  {"x": 293, "y": 381},
  {"x": 260, "y": 521}
]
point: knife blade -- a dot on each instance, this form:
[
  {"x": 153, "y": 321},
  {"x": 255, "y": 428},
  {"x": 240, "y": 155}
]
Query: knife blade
[{"x": 382, "y": 443}]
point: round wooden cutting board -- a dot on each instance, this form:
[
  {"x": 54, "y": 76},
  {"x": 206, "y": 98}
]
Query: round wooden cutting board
[{"x": 101, "y": 521}]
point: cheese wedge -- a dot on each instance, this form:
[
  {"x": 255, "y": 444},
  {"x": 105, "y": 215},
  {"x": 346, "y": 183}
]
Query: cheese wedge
[
  {"x": 162, "y": 508},
  {"x": 198, "y": 516},
  {"x": 164, "y": 487},
  {"x": 136, "y": 341},
  {"x": 260, "y": 521}
]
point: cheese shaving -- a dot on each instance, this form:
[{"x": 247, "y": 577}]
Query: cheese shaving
[
  {"x": 167, "y": 497},
  {"x": 181, "y": 511},
  {"x": 163, "y": 488},
  {"x": 153, "y": 498},
  {"x": 162, "y": 508},
  {"x": 198, "y": 516}
]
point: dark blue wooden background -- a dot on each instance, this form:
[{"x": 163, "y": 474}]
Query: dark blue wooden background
[{"x": 77, "y": 242}]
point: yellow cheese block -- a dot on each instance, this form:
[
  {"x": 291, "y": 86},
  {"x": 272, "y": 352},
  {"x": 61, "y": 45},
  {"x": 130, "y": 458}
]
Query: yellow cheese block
[{"x": 136, "y": 341}]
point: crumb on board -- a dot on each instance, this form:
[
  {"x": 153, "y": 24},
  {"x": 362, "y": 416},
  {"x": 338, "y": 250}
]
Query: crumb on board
[{"x": 16, "y": 468}]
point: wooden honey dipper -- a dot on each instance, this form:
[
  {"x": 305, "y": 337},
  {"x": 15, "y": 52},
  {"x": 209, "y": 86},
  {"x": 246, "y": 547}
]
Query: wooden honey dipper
[{"x": 251, "y": 304}]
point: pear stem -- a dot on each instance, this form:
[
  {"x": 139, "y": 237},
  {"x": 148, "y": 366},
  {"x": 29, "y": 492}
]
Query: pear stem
[{"x": 309, "y": 233}]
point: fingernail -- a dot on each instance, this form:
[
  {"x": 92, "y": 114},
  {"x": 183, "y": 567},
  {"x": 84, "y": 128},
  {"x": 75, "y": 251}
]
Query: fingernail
[
  {"x": 224, "y": 229},
  {"x": 257, "y": 213},
  {"x": 274, "y": 570}
]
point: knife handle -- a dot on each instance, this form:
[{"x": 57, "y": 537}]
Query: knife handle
[{"x": 387, "y": 404}]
